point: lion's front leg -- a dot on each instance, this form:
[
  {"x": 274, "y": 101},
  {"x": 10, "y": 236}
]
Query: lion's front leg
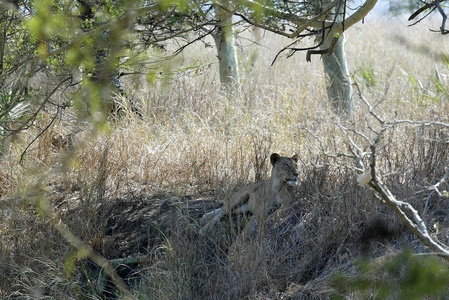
[
  {"x": 238, "y": 204},
  {"x": 241, "y": 209},
  {"x": 210, "y": 218}
]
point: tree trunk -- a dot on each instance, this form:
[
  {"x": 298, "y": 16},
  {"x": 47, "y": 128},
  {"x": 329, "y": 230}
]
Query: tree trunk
[
  {"x": 338, "y": 82},
  {"x": 227, "y": 52}
]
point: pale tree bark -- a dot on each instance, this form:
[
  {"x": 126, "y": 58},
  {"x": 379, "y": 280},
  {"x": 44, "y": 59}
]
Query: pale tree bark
[
  {"x": 317, "y": 21},
  {"x": 224, "y": 37},
  {"x": 338, "y": 81}
]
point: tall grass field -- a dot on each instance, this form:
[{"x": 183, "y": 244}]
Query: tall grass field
[{"x": 135, "y": 191}]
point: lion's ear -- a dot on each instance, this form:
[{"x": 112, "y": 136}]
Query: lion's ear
[
  {"x": 274, "y": 158},
  {"x": 295, "y": 158}
]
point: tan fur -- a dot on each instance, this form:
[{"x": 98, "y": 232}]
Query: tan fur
[{"x": 261, "y": 197}]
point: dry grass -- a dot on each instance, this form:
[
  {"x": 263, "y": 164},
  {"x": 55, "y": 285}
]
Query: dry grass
[{"x": 193, "y": 140}]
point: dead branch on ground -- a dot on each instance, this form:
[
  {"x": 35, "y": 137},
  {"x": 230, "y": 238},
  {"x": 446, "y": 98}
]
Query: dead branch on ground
[{"x": 363, "y": 150}]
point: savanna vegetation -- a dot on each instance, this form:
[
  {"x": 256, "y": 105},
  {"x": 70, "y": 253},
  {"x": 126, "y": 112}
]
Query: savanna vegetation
[{"x": 105, "y": 208}]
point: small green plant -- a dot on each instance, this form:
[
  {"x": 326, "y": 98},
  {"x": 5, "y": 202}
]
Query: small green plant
[
  {"x": 404, "y": 276},
  {"x": 368, "y": 76}
]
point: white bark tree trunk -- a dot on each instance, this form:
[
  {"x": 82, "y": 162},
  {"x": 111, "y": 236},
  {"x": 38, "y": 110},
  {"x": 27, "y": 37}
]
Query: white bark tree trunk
[
  {"x": 227, "y": 51},
  {"x": 338, "y": 81}
]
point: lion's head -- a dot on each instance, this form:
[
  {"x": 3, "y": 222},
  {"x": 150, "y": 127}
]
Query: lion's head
[{"x": 284, "y": 169}]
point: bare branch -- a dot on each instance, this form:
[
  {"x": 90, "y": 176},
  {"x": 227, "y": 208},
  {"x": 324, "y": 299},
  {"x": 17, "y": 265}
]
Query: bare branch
[
  {"x": 405, "y": 211},
  {"x": 94, "y": 256},
  {"x": 444, "y": 16},
  {"x": 38, "y": 136},
  {"x": 328, "y": 50},
  {"x": 436, "y": 4},
  {"x": 370, "y": 108},
  {"x": 435, "y": 188},
  {"x": 420, "y": 10},
  {"x": 260, "y": 25},
  {"x": 420, "y": 123},
  {"x": 316, "y": 21},
  {"x": 437, "y": 185},
  {"x": 323, "y": 150},
  {"x": 359, "y": 15},
  {"x": 357, "y": 152},
  {"x": 409, "y": 216}
]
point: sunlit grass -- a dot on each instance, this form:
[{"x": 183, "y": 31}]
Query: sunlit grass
[{"x": 192, "y": 138}]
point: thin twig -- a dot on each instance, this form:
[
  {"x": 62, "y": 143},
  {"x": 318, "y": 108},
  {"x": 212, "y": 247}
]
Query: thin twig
[
  {"x": 30, "y": 121},
  {"x": 442, "y": 180},
  {"x": 37, "y": 136},
  {"x": 444, "y": 16},
  {"x": 370, "y": 108}
]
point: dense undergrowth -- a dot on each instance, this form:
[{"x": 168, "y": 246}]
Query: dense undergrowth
[{"x": 139, "y": 188}]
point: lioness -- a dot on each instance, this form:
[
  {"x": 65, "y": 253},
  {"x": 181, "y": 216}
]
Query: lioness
[{"x": 259, "y": 198}]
